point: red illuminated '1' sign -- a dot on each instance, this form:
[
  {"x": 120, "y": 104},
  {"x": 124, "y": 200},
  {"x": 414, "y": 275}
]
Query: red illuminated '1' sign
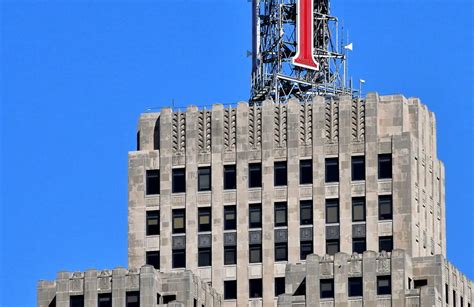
[{"x": 305, "y": 39}]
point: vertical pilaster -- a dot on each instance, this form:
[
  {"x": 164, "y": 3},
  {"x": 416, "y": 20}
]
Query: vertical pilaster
[
  {"x": 217, "y": 129},
  {"x": 242, "y": 204},
  {"x": 371, "y": 176},
  {"x": 340, "y": 279},
  {"x": 319, "y": 229},
  {"x": 119, "y": 287},
  {"x": 398, "y": 277},
  {"x": 166, "y": 153},
  {"x": 369, "y": 277},
  {"x": 147, "y": 286},
  {"x": 293, "y": 180},
  {"x": 90, "y": 288},
  {"x": 312, "y": 280},
  {"x": 268, "y": 257},
  {"x": 62, "y": 289},
  {"x": 345, "y": 201}
]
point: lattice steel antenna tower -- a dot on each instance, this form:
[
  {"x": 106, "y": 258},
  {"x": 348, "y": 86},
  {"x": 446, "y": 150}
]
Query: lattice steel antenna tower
[{"x": 275, "y": 30}]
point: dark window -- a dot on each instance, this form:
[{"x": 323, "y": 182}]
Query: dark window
[
  {"x": 332, "y": 211},
  {"x": 327, "y": 288},
  {"x": 230, "y": 255},
  {"x": 306, "y": 212},
  {"x": 384, "y": 285},
  {"x": 229, "y": 177},
  {"x": 255, "y": 216},
  {"x": 332, "y": 170},
  {"x": 306, "y": 171},
  {"x": 230, "y": 217},
  {"x": 454, "y": 298},
  {"x": 358, "y": 209},
  {"x": 104, "y": 300},
  {"x": 179, "y": 180},
  {"x": 280, "y": 173},
  {"x": 255, "y": 253},
  {"x": 355, "y": 286},
  {"x": 301, "y": 290},
  {"x": 152, "y": 223},
  {"x": 385, "y": 166},
  {"x": 279, "y": 285},
  {"x": 204, "y": 256},
  {"x": 358, "y": 245},
  {"x": 138, "y": 140},
  {"x": 230, "y": 289},
  {"x": 169, "y": 298},
  {"x": 418, "y": 283},
  {"x": 255, "y": 288},
  {"x": 385, "y": 207},
  {"x": 76, "y": 301},
  {"x": 179, "y": 224},
  {"x": 281, "y": 214},
  {"x": 133, "y": 299},
  {"x": 281, "y": 251},
  {"x": 255, "y": 175},
  {"x": 152, "y": 182},
  {"x": 446, "y": 291},
  {"x": 204, "y": 218},
  {"x": 332, "y": 246},
  {"x": 306, "y": 248},
  {"x": 53, "y": 303},
  {"x": 358, "y": 168},
  {"x": 179, "y": 258},
  {"x": 204, "y": 178},
  {"x": 386, "y": 244},
  {"x": 153, "y": 258}
]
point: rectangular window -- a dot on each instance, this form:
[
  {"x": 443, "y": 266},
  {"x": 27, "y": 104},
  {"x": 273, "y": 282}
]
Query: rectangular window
[
  {"x": 279, "y": 285},
  {"x": 153, "y": 258},
  {"x": 179, "y": 180},
  {"x": 179, "y": 258},
  {"x": 281, "y": 214},
  {"x": 255, "y": 253},
  {"x": 152, "y": 223},
  {"x": 306, "y": 212},
  {"x": 255, "y": 216},
  {"x": 169, "y": 298},
  {"x": 332, "y": 246},
  {"x": 152, "y": 182},
  {"x": 355, "y": 286},
  {"x": 281, "y": 251},
  {"x": 104, "y": 300},
  {"x": 332, "y": 170},
  {"x": 446, "y": 292},
  {"x": 385, "y": 207},
  {"x": 327, "y": 288},
  {"x": 384, "y": 285},
  {"x": 358, "y": 209},
  {"x": 230, "y": 289},
  {"x": 133, "y": 299},
  {"x": 280, "y": 173},
  {"x": 230, "y": 176},
  {"x": 255, "y": 175},
  {"x": 204, "y": 178},
  {"x": 332, "y": 211},
  {"x": 358, "y": 245},
  {"x": 255, "y": 288},
  {"x": 386, "y": 244},
  {"x": 76, "y": 301},
  {"x": 205, "y": 256},
  {"x": 306, "y": 248},
  {"x": 230, "y": 255},
  {"x": 306, "y": 171},
  {"x": 385, "y": 166},
  {"x": 418, "y": 283},
  {"x": 179, "y": 225},
  {"x": 358, "y": 168},
  {"x": 204, "y": 219},
  {"x": 230, "y": 217}
]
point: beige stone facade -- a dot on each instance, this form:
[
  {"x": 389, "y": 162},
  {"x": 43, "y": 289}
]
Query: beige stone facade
[{"x": 341, "y": 128}]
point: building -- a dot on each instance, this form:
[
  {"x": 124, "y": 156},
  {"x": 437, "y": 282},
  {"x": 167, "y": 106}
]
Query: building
[
  {"x": 122, "y": 287},
  {"x": 259, "y": 187}
]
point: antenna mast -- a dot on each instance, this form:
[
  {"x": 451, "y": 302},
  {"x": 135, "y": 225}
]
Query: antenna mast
[{"x": 274, "y": 46}]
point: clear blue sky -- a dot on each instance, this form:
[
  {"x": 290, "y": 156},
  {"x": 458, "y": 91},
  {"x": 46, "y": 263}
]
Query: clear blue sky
[{"x": 75, "y": 76}]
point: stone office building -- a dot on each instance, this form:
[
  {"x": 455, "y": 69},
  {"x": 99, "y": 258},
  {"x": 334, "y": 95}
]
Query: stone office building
[{"x": 235, "y": 194}]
